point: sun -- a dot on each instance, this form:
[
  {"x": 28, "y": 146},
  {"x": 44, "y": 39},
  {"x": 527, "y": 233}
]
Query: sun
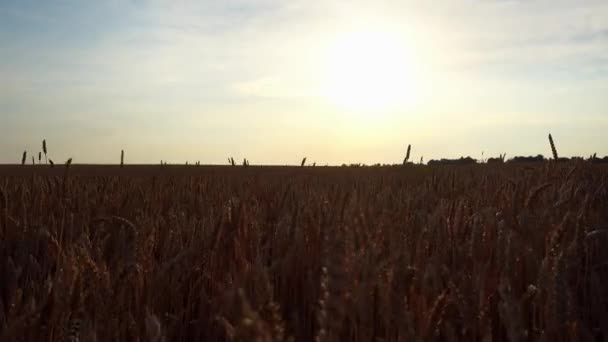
[{"x": 369, "y": 70}]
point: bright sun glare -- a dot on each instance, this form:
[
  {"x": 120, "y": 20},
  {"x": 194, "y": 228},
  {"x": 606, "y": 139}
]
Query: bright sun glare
[{"x": 369, "y": 71}]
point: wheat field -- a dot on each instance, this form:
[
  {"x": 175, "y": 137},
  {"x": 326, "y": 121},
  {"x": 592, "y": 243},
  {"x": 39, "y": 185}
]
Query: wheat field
[{"x": 408, "y": 253}]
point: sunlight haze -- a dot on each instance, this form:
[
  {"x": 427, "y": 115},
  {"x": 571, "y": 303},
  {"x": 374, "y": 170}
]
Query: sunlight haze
[{"x": 274, "y": 81}]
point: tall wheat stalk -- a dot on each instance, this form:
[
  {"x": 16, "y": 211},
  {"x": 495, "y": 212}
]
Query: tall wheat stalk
[
  {"x": 553, "y": 149},
  {"x": 303, "y": 162},
  {"x": 407, "y": 154},
  {"x": 24, "y": 157},
  {"x": 122, "y": 158},
  {"x": 44, "y": 150}
]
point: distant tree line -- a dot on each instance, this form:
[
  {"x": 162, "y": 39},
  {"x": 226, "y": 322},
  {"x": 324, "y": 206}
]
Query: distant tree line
[{"x": 519, "y": 159}]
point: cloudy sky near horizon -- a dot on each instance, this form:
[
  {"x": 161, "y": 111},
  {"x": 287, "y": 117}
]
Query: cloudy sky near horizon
[{"x": 204, "y": 80}]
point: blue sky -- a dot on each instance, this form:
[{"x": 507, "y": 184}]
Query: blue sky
[{"x": 204, "y": 80}]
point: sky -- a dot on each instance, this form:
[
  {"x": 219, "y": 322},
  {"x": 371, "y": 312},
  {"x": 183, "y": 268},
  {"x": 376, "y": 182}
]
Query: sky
[{"x": 274, "y": 81}]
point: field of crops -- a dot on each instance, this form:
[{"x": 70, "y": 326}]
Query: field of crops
[{"x": 409, "y": 253}]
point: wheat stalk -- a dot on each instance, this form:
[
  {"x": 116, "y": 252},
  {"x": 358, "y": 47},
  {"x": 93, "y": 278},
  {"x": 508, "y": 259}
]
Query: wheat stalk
[
  {"x": 553, "y": 149},
  {"x": 407, "y": 154},
  {"x": 44, "y": 150},
  {"x": 154, "y": 329},
  {"x": 534, "y": 194}
]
